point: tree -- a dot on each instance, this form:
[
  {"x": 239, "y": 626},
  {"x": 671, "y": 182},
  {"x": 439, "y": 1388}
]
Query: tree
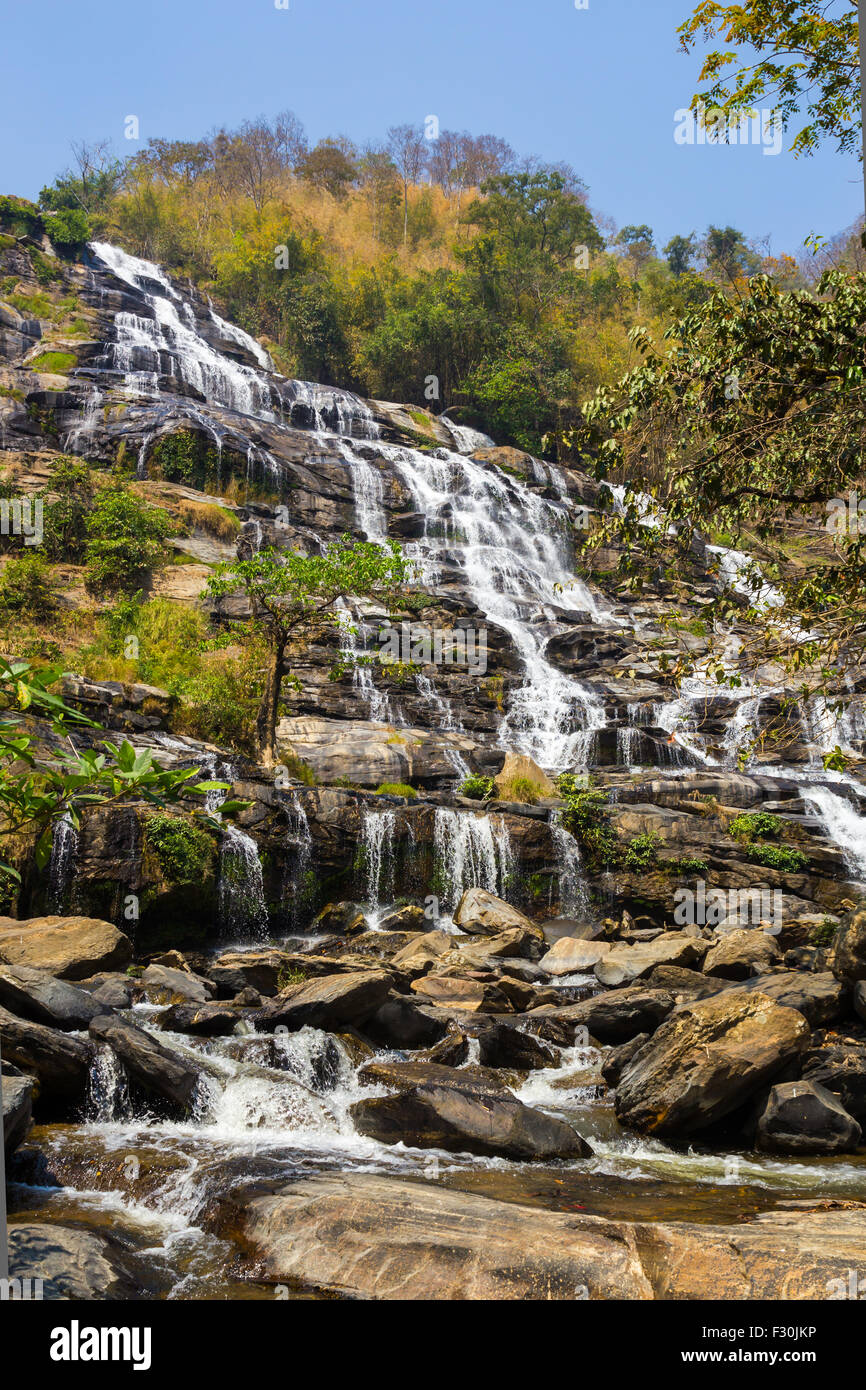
[
  {"x": 125, "y": 540},
  {"x": 291, "y": 596},
  {"x": 329, "y": 166},
  {"x": 290, "y": 139},
  {"x": 639, "y": 246},
  {"x": 728, "y": 255},
  {"x": 89, "y": 186},
  {"x": 408, "y": 149},
  {"x": 680, "y": 252},
  {"x": 381, "y": 186},
  {"x": 802, "y": 56}
]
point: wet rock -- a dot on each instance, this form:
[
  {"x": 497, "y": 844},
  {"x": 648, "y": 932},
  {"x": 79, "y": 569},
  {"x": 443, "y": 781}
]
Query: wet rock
[
  {"x": 72, "y": 1264},
  {"x": 516, "y": 943},
  {"x": 849, "y": 950},
  {"x": 840, "y": 1066},
  {"x": 483, "y": 914},
  {"x": 406, "y": 1076},
  {"x": 59, "y": 1062},
  {"x": 328, "y": 1003},
  {"x": 17, "y": 1110},
  {"x": 69, "y": 947},
  {"x": 620, "y": 1057},
  {"x": 626, "y": 963},
  {"x": 619, "y": 1015},
  {"x": 260, "y": 970},
  {"x": 204, "y": 1020},
  {"x": 403, "y": 1022},
  {"x": 471, "y": 996},
  {"x": 706, "y": 1060},
  {"x": 801, "y": 1117},
  {"x": 741, "y": 954},
  {"x": 44, "y": 999},
  {"x": 500, "y": 1045},
  {"x": 343, "y": 919},
  {"x": 521, "y": 766},
  {"x": 155, "y": 1068},
  {"x": 406, "y": 918},
  {"x": 165, "y": 985},
  {"x": 570, "y": 956},
  {"x": 463, "y": 1116},
  {"x": 681, "y": 982}
]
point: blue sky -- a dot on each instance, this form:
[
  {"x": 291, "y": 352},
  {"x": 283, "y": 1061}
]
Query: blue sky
[{"x": 596, "y": 87}]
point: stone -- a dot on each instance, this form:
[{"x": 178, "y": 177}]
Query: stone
[
  {"x": 821, "y": 999},
  {"x": 471, "y": 996},
  {"x": 515, "y": 943},
  {"x": 570, "y": 956},
  {"x": 204, "y": 1020},
  {"x": 801, "y": 1117},
  {"x": 619, "y": 1058},
  {"x": 519, "y": 766},
  {"x": 624, "y": 963},
  {"x": 617, "y": 1016},
  {"x": 741, "y": 954},
  {"x": 482, "y": 913},
  {"x": 44, "y": 999},
  {"x": 69, "y": 947},
  {"x": 17, "y": 1110},
  {"x": 859, "y": 999},
  {"x": 342, "y": 919},
  {"x": 155, "y": 1068},
  {"x": 839, "y": 1065},
  {"x": 462, "y": 1117},
  {"x": 60, "y": 1062},
  {"x": 72, "y": 1264},
  {"x": 501, "y": 1045},
  {"x": 328, "y": 1003},
  {"x": 423, "y": 952},
  {"x": 407, "y": 918},
  {"x": 848, "y": 957},
  {"x": 706, "y": 1060},
  {"x": 404, "y": 1022},
  {"x": 260, "y": 970},
  {"x": 165, "y": 985}
]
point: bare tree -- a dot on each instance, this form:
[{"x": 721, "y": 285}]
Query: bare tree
[
  {"x": 408, "y": 149},
  {"x": 290, "y": 139}
]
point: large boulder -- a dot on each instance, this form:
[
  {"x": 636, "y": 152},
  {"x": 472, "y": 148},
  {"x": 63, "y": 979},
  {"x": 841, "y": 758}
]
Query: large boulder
[
  {"x": 329, "y": 1003},
  {"x": 72, "y": 1264},
  {"x": 203, "y": 1020},
  {"x": 258, "y": 970},
  {"x": 623, "y": 963},
  {"x": 820, "y": 998},
  {"x": 709, "y": 1058},
  {"x": 17, "y": 1110},
  {"x": 155, "y": 1068},
  {"x": 519, "y": 767},
  {"x": 801, "y": 1117},
  {"x": 422, "y": 952},
  {"x": 165, "y": 985},
  {"x": 483, "y": 914},
  {"x": 43, "y": 998},
  {"x": 848, "y": 959},
  {"x": 501, "y": 1045},
  {"x": 405, "y": 1022},
  {"x": 839, "y": 1065},
  {"x": 60, "y": 1062},
  {"x": 69, "y": 947},
  {"x": 616, "y": 1016},
  {"x": 466, "y": 995},
  {"x": 570, "y": 956},
  {"x": 465, "y": 1115},
  {"x": 741, "y": 954}
]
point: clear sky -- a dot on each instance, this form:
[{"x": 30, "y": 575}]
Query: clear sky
[{"x": 596, "y": 87}]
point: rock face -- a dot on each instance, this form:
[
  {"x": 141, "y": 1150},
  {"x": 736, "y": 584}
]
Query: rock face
[
  {"x": 43, "y": 999},
  {"x": 375, "y": 1237},
  {"x": 17, "y": 1110},
  {"x": 69, "y": 947},
  {"x": 466, "y": 1116},
  {"x": 706, "y": 1061},
  {"x": 159, "y": 1071},
  {"x": 60, "y": 1063},
  {"x": 801, "y": 1117}
]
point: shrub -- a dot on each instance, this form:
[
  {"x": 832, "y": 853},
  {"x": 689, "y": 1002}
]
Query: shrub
[
  {"x": 824, "y": 934},
  {"x": 297, "y": 768},
  {"x": 777, "y": 857},
  {"x": 66, "y": 517},
  {"x": 26, "y": 587},
  {"x": 587, "y": 817},
  {"x": 60, "y": 362},
  {"x": 68, "y": 228},
  {"x": 396, "y": 789},
  {"x": 521, "y": 789},
  {"x": 640, "y": 854},
  {"x": 183, "y": 850},
  {"x": 757, "y": 825},
  {"x": 477, "y": 788},
  {"x": 124, "y": 540},
  {"x": 686, "y": 866}
]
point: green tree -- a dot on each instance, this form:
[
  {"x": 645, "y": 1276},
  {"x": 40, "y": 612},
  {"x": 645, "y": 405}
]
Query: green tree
[
  {"x": 125, "y": 540},
  {"x": 680, "y": 252},
  {"x": 291, "y": 596},
  {"x": 800, "y": 55}
]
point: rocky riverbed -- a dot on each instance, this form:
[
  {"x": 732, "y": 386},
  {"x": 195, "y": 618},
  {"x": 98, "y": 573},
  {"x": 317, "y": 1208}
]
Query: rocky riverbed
[{"x": 407, "y": 1043}]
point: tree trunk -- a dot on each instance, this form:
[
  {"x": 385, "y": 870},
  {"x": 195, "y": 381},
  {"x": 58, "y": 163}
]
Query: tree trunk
[{"x": 266, "y": 720}]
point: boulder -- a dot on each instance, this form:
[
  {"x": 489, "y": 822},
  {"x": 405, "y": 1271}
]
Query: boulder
[
  {"x": 237, "y": 970},
  {"x": 204, "y": 1020},
  {"x": 341, "y": 919},
  {"x": 406, "y": 1076},
  {"x": 155, "y": 1068},
  {"x": 60, "y": 1063},
  {"x": 848, "y": 958},
  {"x": 328, "y": 1003},
  {"x": 69, "y": 947},
  {"x": 404, "y": 1022},
  {"x": 617, "y": 1016},
  {"x": 463, "y": 1116},
  {"x": 622, "y": 964},
  {"x": 681, "y": 982},
  {"x": 483, "y": 914},
  {"x": 424, "y": 951},
  {"x": 620, "y": 1057},
  {"x": 407, "y": 918},
  {"x": 515, "y": 944},
  {"x": 801, "y": 1117},
  {"x": 165, "y": 985},
  {"x": 111, "y": 990},
  {"x": 519, "y": 766},
  {"x": 72, "y": 1264},
  {"x": 741, "y": 954},
  {"x": 840, "y": 1066},
  {"x": 706, "y": 1060},
  {"x": 453, "y": 992},
  {"x": 17, "y": 1110},
  {"x": 44, "y": 999},
  {"x": 501, "y": 1045},
  {"x": 570, "y": 956},
  {"x": 819, "y": 998}
]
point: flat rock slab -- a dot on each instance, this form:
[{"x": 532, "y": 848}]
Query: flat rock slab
[
  {"x": 72, "y": 1264},
  {"x": 69, "y": 947},
  {"x": 380, "y": 1238}
]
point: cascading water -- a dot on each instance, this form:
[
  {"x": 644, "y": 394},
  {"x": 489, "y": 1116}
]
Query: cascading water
[
  {"x": 298, "y": 873},
  {"x": 64, "y": 848},
  {"x": 470, "y": 851},
  {"x": 573, "y": 891},
  {"x": 377, "y": 850}
]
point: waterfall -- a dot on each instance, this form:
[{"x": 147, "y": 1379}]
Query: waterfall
[
  {"x": 465, "y": 439},
  {"x": 299, "y": 843},
  {"x": 470, "y": 851},
  {"x": 242, "y": 908},
  {"x": 377, "y": 842},
  {"x": 378, "y": 703},
  {"x": 573, "y": 892},
  {"x": 83, "y": 431},
  {"x": 64, "y": 847}
]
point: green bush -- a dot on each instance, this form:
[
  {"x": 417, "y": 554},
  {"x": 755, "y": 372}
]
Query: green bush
[
  {"x": 19, "y": 216},
  {"x": 685, "y": 866},
  {"x": 757, "y": 825},
  {"x": 26, "y": 587},
  {"x": 68, "y": 228},
  {"x": 125, "y": 540},
  {"x": 59, "y": 362},
  {"x": 65, "y": 523},
  {"x": 641, "y": 853},
  {"x": 183, "y": 850},
  {"x": 477, "y": 788},
  {"x": 521, "y": 789},
  {"x": 777, "y": 857},
  {"x": 824, "y": 934},
  {"x": 396, "y": 789},
  {"x": 587, "y": 817}
]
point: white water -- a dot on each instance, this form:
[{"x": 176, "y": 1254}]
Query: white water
[
  {"x": 377, "y": 844},
  {"x": 61, "y": 867},
  {"x": 470, "y": 851}
]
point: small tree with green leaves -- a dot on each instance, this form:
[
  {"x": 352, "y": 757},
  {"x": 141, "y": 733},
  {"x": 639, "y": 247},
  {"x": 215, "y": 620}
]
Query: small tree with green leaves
[{"x": 292, "y": 595}]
